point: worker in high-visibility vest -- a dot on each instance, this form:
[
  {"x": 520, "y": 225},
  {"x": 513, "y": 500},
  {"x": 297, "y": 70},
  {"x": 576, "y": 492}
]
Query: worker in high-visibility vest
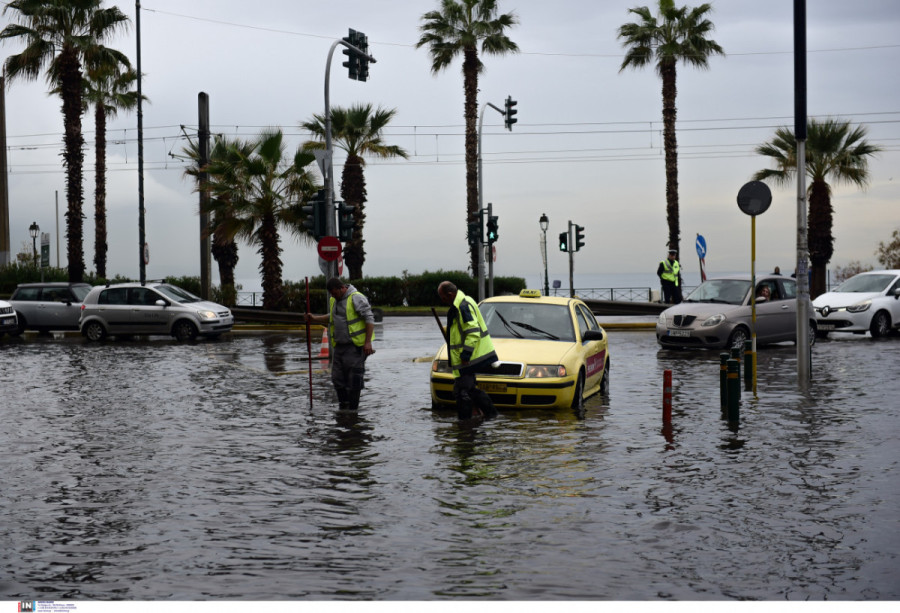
[
  {"x": 470, "y": 349},
  {"x": 669, "y": 273},
  {"x": 351, "y": 329}
]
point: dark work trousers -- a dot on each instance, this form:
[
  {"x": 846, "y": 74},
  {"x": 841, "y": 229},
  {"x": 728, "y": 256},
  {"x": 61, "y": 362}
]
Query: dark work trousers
[
  {"x": 671, "y": 292},
  {"x": 348, "y": 371},
  {"x": 467, "y": 394}
]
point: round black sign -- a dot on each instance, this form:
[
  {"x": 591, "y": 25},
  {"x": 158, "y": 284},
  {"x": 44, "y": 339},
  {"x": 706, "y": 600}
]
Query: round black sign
[{"x": 754, "y": 198}]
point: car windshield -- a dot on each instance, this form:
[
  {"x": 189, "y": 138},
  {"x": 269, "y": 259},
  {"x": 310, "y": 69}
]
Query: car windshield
[
  {"x": 530, "y": 321},
  {"x": 863, "y": 284},
  {"x": 176, "y": 293},
  {"x": 725, "y": 291},
  {"x": 80, "y": 291}
]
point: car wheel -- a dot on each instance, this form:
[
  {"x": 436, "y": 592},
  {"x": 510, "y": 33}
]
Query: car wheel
[
  {"x": 738, "y": 337},
  {"x": 812, "y": 333},
  {"x": 184, "y": 330},
  {"x": 93, "y": 331},
  {"x": 881, "y": 324},
  {"x": 578, "y": 398},
  {"x": 604, "y": 381}
]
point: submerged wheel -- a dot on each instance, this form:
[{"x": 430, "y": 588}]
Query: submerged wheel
[
  {"x": 94, "y": 331},
  {"x": 738, "y": 337},
  {"x": 578, "y": 398},
  {"x": 184, "y": 330},
  {"x": 881, "y": 324},
  {"x": 604, "y": 381}
]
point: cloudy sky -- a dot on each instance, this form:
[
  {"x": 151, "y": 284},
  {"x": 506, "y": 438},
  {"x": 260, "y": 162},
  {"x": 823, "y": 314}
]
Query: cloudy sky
[{"x": 587, "y": 147}]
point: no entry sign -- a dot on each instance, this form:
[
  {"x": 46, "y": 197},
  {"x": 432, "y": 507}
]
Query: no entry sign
[{"x": 329, "y": 248}]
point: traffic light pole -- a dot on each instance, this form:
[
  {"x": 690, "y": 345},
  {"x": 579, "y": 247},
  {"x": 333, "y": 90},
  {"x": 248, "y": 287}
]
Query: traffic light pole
[
  {"x": 571, "y": 247},
  {"x": 328, "y": 165},
  {"x": 480, "y": 248}
]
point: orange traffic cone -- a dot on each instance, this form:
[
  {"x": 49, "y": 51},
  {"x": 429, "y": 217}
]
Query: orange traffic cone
[{"x": 325, "y": 349}]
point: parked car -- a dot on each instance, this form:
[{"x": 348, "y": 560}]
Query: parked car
[
  {"x": 152, "y": 308},
  {"x": 869, "y": 301},
  {"x": 9, "y": 323},
  {"x": 552, "y": 354},
  {"x": 717, "y": 314},
  {"x": 48, "y": 306}
]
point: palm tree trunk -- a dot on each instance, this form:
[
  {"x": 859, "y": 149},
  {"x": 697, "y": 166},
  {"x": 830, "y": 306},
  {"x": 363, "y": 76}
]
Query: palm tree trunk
[
  {"x": 271, "y": 264},
  {"x": 821, "y": 242},
  {"x": 100, "y": 246},
  {"x": 73, "y": 157},
  {"x": 353, "y": 191},
  {"x": 225, "y": 252},
  {"x": 470, "y": 80},
  {"x": 670, "y": 144}
]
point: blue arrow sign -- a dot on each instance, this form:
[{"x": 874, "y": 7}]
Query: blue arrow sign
[{"x": 701, "y": 247}]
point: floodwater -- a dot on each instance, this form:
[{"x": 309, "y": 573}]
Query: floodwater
[{"x": 152, "y": 470}]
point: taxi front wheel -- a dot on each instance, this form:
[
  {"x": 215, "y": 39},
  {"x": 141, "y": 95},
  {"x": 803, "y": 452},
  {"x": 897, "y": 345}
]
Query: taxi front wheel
[{"x": 578, "y": 398}]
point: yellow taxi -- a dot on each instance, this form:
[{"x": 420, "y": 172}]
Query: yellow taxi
[{"x": 552, "y": 354}]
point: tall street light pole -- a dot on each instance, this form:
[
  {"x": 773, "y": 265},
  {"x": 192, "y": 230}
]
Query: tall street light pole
[
  {"x": 142, "y": 251},
  {"x": 34, "y": 229},
  {"x": 545, "y": 223}
]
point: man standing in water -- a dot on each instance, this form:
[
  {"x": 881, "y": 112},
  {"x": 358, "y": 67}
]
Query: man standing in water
[
  {"x": 470, "y": 350},
  {"x": 351, "y": 328}
]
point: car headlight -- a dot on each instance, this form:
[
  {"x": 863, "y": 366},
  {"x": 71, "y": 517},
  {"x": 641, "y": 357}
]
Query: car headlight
[
  {"x": 859, "y": 308},
  {"x": 662, "y": 319},
  {"x": 544, "y": 371},
  {"x": 441, "y": 366},
  {"x": 207, "y": 315},
  {"x": 713, "y": 320}
]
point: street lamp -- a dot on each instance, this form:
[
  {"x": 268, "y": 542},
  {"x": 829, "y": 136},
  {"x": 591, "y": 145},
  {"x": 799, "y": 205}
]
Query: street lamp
[
  {"x": 545, "y": 223},
  {"x": 34, "y": 230}
]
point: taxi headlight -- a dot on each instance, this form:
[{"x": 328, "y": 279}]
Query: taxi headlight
[
  {"x": 713, "y": 320},
  {"x": 441, "y": 366},
  {"x": 544, "y": 371},
  {"x": 859, "y": 308}
]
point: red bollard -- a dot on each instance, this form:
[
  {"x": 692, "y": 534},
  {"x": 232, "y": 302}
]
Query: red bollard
[{"x": 667, "y": 396}]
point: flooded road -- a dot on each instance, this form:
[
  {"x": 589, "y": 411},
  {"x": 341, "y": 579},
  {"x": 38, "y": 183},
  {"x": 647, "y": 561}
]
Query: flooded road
[{"x": 153, "y": 470}]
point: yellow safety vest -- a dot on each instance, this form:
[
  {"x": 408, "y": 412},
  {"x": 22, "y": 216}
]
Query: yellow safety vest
[
  {"x": 356, "y": 325},
  {"x": 670, "y": 271},
  {"x": 468, "y": 333}
]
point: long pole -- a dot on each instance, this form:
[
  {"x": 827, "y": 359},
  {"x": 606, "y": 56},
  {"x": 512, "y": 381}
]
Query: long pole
[
  {"x": 330, "y": 224},
  {"x": 804, "y": 357},
  {"x": 203, "y": 150},
  {"x": 140, "y": 127},
  {"x": 309, "y": 345},
  {"x": 571, "y": 248},
  {"x": 480, "y": 248},
  {"x": 544, "y": 255}
]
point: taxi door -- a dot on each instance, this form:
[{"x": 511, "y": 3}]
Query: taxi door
[{"x": 594, "y": 351}]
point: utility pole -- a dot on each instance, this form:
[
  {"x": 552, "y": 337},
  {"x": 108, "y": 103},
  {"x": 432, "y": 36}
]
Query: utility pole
[
  {"x": 142, "y": 240},
  {"x": 203, "y": 150},
  {"x": 804, "y": 356},
  {"x": 5, "y": 252}
]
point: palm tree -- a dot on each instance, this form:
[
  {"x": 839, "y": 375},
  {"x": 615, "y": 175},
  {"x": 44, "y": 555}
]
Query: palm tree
[
  {"x": 358, "y": 131},
  {"x": 457, "y": 29},
  {"x": 834, "y": 150},
  {"x": 108, "y": 88},
  {"x": 224, "y": 249},
  {"x": 262, "y": 190},
  {"x": 677, "y": 34},
  {"x": 62, "y": 35}
]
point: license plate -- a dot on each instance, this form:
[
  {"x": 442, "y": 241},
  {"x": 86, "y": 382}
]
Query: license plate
[
  {"x": 679, "y": 332},
  {"x": 497, "y": 388},
  {"x": 8, "y": 321},
  {"x": 825, "y": 326}
]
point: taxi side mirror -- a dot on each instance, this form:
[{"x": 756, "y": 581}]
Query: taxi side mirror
[{"x": 593, "y": 335}]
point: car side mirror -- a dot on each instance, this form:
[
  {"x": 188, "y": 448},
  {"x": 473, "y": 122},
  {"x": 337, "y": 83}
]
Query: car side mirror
[
  {"x": 162, "y": 303},
  {"x": 897, "y": 294},
  {"x": 592, "y": 335}
]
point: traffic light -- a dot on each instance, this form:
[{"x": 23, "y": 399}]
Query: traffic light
[
  {"x": 362, "y": 43},
  {"x": 346, "y": 223},
  {"x": 475, "y": 232},
  {"x": 564, "y": 241},
  {"x": 492, "y": 232},
  {"x": 316, "y": 215},
  {"x": 352, "y": 64},
  {"x": 510, "y": 111},
  {"x": 579, "y": 237}
]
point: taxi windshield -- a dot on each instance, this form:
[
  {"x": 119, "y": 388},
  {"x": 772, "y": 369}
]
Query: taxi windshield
[{"x": 528, "y": 320}]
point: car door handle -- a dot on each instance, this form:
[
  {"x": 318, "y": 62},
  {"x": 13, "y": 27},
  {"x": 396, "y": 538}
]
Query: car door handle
[{"x": 784, "y": 307}]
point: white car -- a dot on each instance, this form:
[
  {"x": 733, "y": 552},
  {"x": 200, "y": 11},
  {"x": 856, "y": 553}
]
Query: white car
[
  {"x": 869, "y": 301},
  {"x": 9, "y": 323}
]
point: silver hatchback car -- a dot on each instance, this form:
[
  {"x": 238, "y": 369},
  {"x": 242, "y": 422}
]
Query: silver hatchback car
[
  {"x": 152, "y": 308},
  {"x": 48, "y": 306},
  {"x": 717, "y": 314}
]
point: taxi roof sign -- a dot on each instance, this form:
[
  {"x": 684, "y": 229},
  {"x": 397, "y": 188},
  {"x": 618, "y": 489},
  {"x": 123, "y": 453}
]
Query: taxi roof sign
[{"x": 530, "y": 293}]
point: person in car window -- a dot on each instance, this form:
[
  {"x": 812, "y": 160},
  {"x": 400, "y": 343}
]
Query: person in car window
[{"x": 471, "y": 351}]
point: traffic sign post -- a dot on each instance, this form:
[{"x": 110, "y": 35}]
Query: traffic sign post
[{"x": 701, "y": 253}]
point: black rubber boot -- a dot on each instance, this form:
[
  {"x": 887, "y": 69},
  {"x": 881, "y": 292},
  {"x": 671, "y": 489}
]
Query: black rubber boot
[
  {"x": 343, "y": 398},
  {"x": 353, "y": 400},
  {"x": 463, "y": 409}
]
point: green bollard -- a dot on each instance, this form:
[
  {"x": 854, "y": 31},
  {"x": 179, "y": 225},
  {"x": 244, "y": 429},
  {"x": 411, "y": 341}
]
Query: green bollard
[
  {"x": 723, "y": 381},
  {"x": 748, "y": 365},
  {"x": 736, "y": 355},
  {"x": 734, "y": 391}
]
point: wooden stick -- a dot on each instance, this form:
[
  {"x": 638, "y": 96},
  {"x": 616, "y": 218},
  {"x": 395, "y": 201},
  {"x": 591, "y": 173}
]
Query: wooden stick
[{"x": 309, "y": 344}]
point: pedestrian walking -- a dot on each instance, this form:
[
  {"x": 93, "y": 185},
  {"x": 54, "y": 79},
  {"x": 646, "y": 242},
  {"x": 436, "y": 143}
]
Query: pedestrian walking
[
  {"x": 470, "y": 349},
  {"x": 351, "y": 329},
  {"x": 669, "y": 273}
]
